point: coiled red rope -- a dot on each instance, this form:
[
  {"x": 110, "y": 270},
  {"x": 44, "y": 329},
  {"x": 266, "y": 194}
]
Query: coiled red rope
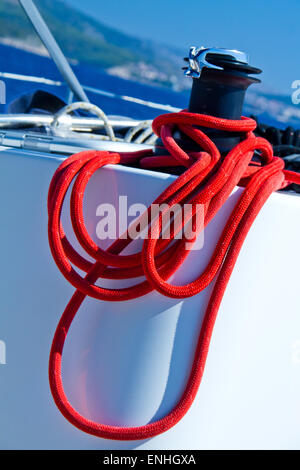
[{"x": 208, "y": 180}]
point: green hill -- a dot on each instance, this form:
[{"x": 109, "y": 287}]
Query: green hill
[{"x": 86, "y": 40}]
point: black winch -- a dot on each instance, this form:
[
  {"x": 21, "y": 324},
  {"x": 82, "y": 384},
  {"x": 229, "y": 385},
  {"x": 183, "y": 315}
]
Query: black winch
[{"x": 220, "y": 80}]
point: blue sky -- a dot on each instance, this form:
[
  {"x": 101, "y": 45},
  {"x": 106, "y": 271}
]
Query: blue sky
[{"x": 268, "y": 30}]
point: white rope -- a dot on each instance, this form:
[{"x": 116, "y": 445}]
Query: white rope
[
  {"x": 147, "y": 125},
  {"x": 87, "y": 107}
]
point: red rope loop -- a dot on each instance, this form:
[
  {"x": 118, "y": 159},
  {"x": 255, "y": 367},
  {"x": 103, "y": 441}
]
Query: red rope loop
[{"x": 208, "y": 181}]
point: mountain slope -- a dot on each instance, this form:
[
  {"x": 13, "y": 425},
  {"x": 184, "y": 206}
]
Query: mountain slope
[{"x": 86, "y": 40}]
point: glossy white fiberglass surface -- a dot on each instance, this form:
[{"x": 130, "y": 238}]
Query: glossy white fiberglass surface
[{"x": 126, "y": 363}]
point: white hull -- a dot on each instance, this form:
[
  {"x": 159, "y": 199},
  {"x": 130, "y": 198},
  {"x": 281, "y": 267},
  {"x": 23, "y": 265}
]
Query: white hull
[{"x": 126, "y": 363}]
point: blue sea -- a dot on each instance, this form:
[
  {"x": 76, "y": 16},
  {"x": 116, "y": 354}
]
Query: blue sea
[
  {"x": 270, "y": 108},
  {"x": 17, "y": 61}
]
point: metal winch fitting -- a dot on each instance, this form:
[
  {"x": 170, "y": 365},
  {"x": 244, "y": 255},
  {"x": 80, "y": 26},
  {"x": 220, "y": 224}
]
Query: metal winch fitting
[{"x": 220, "y": 81}]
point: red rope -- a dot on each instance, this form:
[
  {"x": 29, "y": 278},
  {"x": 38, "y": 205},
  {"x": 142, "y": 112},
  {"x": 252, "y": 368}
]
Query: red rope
[{"x": 208, "y": 180}]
